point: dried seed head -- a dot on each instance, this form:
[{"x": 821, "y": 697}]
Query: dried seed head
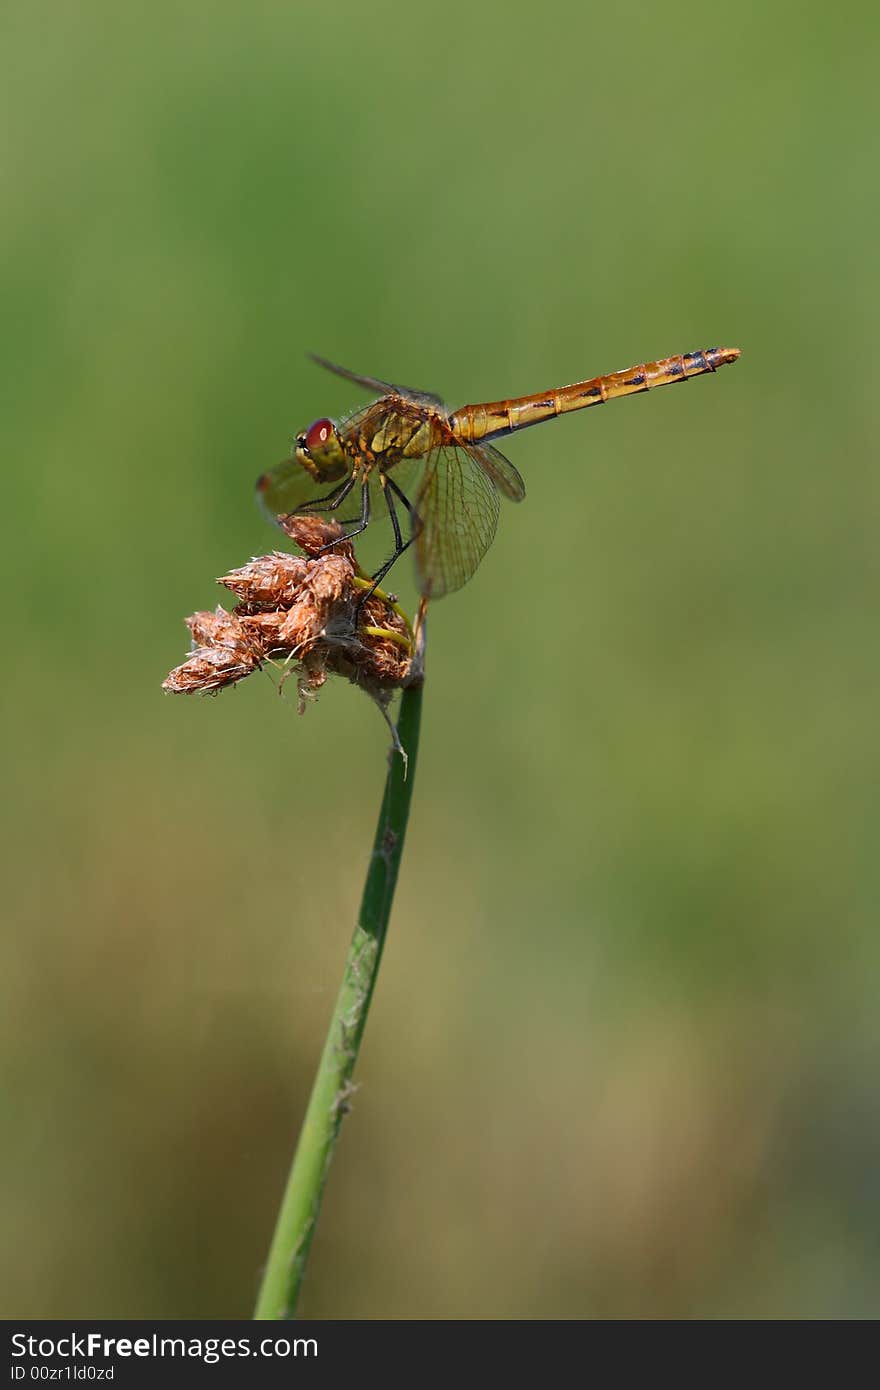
[
  {"x": 302, "y": 612},
  {"x": 329, "y": 580},
  {"x": 217, "y": 629},
  {"x": 313, "y": 533},
  {"x": 269, "y": 581},
  {"x": 225, "y": 653}
]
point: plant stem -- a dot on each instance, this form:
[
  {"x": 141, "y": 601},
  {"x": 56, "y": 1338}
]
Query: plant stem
[{"x": 288, "y": 1254}]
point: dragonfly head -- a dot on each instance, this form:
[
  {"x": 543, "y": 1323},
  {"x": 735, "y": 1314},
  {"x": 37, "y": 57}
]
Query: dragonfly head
[{"x": 320, "y": 452}]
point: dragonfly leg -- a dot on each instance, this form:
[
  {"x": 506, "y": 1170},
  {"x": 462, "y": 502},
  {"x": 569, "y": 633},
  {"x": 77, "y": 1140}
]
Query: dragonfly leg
[
  {"x": 415, "y": 520},
  {"x": 400, "y": 545},
  {"x": 330, "y": 501},
  {"x": 360, "y": 523}
]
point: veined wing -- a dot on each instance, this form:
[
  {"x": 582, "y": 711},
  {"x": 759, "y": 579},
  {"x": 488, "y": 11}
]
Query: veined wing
[
  {"x": 457, "y": 506},
  {"x": 372, "y": 383},
  {"x": 287, "y": 486},
  {"x": 502, "y": 472}
]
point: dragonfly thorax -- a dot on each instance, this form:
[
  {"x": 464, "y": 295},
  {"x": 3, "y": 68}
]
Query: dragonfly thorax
[
  {"x": 319, "y": 449},
  {"x": 399, "y": 429}
]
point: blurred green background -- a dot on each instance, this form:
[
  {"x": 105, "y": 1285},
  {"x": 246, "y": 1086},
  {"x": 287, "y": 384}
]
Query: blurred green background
[{"x": 624, "y": 1050}]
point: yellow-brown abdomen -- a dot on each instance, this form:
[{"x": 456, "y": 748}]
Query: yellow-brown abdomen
[{"x": 490, "y": 421}]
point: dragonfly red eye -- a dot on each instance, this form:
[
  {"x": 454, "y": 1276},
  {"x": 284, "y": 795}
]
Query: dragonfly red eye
[{"x": 318, "y": 434}]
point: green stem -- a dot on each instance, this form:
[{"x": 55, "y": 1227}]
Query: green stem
[{"x": 289, "y": 1252}]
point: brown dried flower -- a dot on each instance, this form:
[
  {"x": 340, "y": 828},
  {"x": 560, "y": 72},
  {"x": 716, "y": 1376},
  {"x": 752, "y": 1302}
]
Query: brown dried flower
[{"x": 301, "y": 613}]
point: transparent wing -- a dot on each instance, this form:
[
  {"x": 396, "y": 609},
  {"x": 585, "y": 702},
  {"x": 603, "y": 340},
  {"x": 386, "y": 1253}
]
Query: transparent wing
[
  {"x": 457, "y": 505},
  {"x": 287, "y": 486},
  {"x": 502, "y": 472},
  {"x": 372, "y": 383}
]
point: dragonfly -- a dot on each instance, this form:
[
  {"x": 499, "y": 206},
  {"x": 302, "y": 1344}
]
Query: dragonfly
[{"x": 437, "y": 470}]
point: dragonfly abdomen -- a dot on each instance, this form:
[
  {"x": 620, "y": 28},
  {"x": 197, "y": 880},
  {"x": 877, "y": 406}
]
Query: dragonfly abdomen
[{"x": 490, "y": 421}]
